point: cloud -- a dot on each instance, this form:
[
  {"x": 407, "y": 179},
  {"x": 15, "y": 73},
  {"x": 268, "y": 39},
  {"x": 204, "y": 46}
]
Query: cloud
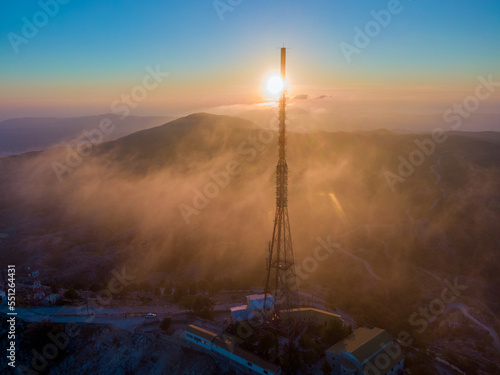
[{"x": 301, "y": 96}]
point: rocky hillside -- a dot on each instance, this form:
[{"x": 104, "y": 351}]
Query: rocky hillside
[{"x": 61, "y": 349}]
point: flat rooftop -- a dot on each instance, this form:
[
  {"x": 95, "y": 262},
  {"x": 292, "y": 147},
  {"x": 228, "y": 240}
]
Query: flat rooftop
[
  {"x": 198, "y": 331},
  {"x": 258, "y": 296},
  {"x": 312, "y": 309},
  {"x": 363, "y": 343},
  {"x": 239, "y": 308}
]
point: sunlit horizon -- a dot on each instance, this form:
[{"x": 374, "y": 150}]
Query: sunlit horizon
[{"x": 415, "y": 61}]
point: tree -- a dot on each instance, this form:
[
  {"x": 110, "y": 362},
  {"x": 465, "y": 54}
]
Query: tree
[
  {"x": 335, "y": 331},
  {"x": 266, "y": 343},
  {"x": 180, "y": 291},
  {"x": 290, "y": 359},
  {"x": 311, "y": 357},
  {"x": 78, "y": 285},
  {"x": 193, "y": 288},
  {"x": 203, "y": 306},
  {"x": 145, "y": 286},
  {"x": 96, "y": 287},
  {"x": 213, "y": 288},
  {"x": 187, "y": 302},
  {"x": 326, "y": 369},
  {"x": 166, "y": 323},
  {"x": 71, "y": 294}
]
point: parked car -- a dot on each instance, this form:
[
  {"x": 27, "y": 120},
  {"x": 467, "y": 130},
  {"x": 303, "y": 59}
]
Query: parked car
[{"x": 150, "y": 316}]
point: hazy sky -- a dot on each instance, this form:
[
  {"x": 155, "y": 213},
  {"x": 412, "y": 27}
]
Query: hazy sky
[{"x": 78, "y": 58}]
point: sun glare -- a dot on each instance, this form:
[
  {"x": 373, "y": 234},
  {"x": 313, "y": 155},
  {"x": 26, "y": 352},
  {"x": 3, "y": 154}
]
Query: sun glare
[{"x": 275, "y": 84}]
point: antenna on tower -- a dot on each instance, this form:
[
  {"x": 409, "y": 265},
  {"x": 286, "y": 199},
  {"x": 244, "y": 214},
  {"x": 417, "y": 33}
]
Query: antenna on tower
[{"x": 283, "y": 65}]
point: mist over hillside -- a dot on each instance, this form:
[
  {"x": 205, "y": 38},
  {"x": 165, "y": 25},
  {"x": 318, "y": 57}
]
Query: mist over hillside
[
  {"x": 331, "y": 115},
  {"x": 402, "y": 214},
  {"x": 21, "y": 135}
]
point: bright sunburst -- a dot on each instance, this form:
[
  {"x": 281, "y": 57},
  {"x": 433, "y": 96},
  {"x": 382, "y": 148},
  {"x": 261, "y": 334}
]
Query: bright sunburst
[{"x": 275, "y": 84}]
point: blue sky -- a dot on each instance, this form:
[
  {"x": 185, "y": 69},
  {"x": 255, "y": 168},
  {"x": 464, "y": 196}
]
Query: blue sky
[{"x": 90, "y": 52}]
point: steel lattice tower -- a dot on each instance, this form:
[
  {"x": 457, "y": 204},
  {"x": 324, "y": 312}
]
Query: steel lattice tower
[{"x": 281, "y": 277}]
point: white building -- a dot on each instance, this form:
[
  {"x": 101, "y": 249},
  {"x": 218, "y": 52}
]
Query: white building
[
  {"x": 240, "y": 313},
  {"x": 226, "y": 348},
  {"x": 366, "y": 352},
  {"x": 254, "y": 308}
]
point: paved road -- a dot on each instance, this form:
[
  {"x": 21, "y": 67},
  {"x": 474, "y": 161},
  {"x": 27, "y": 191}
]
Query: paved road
[{"x": 114, "y": 316}]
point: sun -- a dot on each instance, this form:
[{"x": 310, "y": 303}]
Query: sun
[{"x": 275, "y": 84}]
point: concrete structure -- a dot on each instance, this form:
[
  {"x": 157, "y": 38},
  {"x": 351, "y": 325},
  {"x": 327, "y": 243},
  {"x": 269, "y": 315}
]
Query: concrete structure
[
  {"x": 240, "y": 313},
  {"x": 256, "y": 302},
  {"x": 254, "y": 309},
  {"x": 309, "y": 315},
  {"x": 366, "y": 352},
  {"x": 225, "y": 347},
  {"x": 199, "y": 335}
]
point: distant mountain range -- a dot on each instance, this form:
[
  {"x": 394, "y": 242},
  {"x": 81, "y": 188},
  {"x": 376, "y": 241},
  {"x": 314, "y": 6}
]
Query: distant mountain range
[{"x": 21, "y": 135}]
